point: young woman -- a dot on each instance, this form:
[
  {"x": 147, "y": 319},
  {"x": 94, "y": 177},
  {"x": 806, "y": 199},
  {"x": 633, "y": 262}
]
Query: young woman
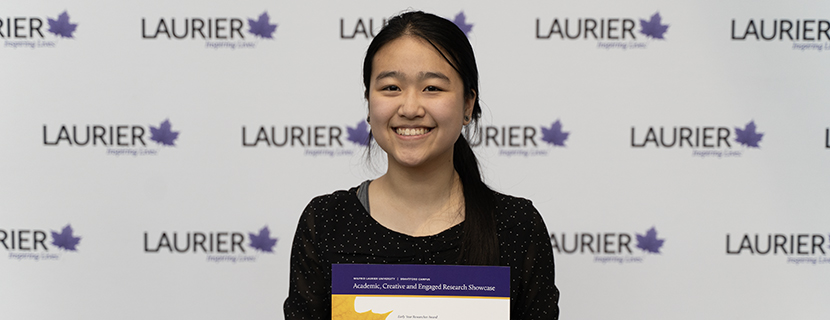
[{"x": 431, "y": 206}]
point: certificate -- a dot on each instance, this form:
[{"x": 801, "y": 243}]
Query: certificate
[{"x": 395, "y": 291}]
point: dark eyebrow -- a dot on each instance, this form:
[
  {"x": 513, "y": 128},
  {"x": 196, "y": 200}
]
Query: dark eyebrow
[
  {"x": 433, "y": 75},
  {"x": 421, "y": 76},
  {"x": 389, "y": 74}
]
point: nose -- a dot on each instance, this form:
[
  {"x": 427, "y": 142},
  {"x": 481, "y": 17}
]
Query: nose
[{"x": 411, "y": 106}]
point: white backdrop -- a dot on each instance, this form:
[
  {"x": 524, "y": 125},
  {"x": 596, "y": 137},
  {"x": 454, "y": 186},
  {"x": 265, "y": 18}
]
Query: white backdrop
[{"x": 126, "y": 203}]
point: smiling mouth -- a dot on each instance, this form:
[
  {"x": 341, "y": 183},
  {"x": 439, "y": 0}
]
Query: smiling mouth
[{"x": 412, "y": 131}]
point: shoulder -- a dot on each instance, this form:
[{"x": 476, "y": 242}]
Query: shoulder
[
  {"x": 333, "y": 206},
  {"x": 333, "y": 200},
  {"x": 515, "y": 212}
]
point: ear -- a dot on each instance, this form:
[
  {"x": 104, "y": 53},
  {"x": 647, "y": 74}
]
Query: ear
[{"x": 469, "y": 103}]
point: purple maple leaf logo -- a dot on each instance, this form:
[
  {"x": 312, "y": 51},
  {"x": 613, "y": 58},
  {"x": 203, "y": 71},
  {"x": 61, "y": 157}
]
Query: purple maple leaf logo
[
  {"x": 359, "y": 134},
  {"x": 163, "y": 134},
  {"x": 649, "y": 242},
  {"x": 65, "y": 240},
  {"x": 748, "y": 136},
  {"x": 62, "y": 27},
  {"x": 555, "y": 135},
  {"x": 653, "y": 28},
  {"x": 262, "y": 27},
  {"x": 461, "y": 21},
  {"x": 263, "y": 242}
]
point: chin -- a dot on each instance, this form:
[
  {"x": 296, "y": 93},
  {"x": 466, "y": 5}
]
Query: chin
[
  {"x": 420, "y": 159},
  {"x": 408, "y": 162}
]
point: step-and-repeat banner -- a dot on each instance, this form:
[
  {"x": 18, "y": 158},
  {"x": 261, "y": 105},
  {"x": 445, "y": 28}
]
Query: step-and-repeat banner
[{"x": 156, "y": 155}]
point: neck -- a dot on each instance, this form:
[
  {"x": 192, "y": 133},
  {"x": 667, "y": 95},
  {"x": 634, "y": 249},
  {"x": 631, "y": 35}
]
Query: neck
[
  {"x": 418, "y": 201},
  {"x": 425, "y": 184}
]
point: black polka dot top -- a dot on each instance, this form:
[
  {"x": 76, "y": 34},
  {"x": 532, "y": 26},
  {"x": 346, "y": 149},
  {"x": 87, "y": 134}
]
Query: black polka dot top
[{"x": 336, "y": 228}]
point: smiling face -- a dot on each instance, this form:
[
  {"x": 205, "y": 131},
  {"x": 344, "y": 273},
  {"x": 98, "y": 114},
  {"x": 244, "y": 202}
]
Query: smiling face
[{"x": 416, "y": 103}]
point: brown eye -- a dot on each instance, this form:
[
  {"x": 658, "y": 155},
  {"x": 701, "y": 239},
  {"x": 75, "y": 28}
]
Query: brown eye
[
  {"x": 391, "y": 88},
  {"x": 432, "y": 88}
]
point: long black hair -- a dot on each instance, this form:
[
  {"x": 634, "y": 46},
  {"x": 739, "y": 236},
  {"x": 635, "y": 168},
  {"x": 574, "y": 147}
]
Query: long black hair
[{"x": 479, "y": 242}]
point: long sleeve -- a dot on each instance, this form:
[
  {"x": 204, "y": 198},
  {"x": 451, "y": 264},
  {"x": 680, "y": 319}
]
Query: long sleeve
[
  {"x": 309, "y": 295},
  {"x": 524, "y": 245},
  {"x": 539, "y": 297}
]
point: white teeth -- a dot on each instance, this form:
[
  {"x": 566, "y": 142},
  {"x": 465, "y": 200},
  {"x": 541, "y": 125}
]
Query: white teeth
[{"x": 411, "y": 131}]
